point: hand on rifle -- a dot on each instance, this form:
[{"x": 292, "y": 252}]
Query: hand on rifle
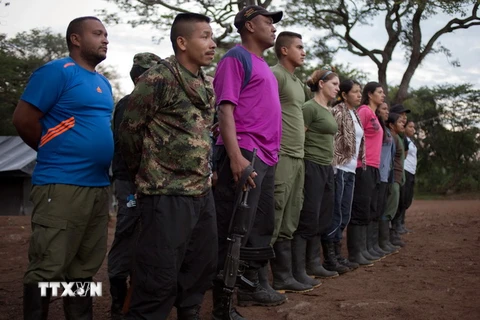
[
  {"x": 237, "y": 166},
  {"x": 215, "y": 129}
]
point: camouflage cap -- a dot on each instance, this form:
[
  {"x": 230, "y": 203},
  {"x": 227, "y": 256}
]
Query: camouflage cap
[{"x": 146, "y": 60}]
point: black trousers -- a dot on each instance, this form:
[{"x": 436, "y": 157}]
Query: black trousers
[
  {"x": 406, "y": 197},
  {"x": 260, "y": 199},
  {"x": 176, "y": 254},
  {"x": 120, "y": 257},
  {"x": 318, "y": 201},
  {"x": 382, "y": 200},
  {"x": 364, "y": 206}
]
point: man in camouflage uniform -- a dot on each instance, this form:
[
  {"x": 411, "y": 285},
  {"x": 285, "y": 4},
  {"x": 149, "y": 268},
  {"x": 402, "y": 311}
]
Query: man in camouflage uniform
[
  {"x": 164, "y": 138},
  {"x": 120, "y": 255}
]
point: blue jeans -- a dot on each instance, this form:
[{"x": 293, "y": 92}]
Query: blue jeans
[{"x": 344, "y": 186}]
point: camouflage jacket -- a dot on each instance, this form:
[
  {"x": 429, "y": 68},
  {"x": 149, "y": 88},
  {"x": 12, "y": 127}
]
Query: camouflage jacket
[{"x": 164, "y": 135}]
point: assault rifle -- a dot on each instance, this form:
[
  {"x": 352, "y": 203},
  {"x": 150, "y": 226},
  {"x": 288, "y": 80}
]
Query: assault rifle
[{"x": 242, "y": 219}]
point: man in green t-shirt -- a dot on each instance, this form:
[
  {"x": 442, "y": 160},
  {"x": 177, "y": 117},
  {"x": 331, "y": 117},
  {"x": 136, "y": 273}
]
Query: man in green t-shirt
[{"x": 289, "y": 172}]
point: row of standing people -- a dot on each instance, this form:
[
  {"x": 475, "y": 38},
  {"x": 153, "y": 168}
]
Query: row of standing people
[
  {"x": 164, "y": 142},
  {"x": 337, "y": 167}
]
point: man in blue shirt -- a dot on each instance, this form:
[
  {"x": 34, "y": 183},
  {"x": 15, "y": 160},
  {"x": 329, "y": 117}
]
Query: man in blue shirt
[{"x": 64, "y": 114}]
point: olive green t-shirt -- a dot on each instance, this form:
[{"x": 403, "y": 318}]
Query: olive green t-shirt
[
  {"x": 321, "y": 128},
  {"x": 292, "y": 98}
]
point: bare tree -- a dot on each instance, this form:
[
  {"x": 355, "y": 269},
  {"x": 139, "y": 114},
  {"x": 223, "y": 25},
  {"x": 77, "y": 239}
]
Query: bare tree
[
  {"x": 160, "y": 14},
  {"x": 402, "y": 22}
]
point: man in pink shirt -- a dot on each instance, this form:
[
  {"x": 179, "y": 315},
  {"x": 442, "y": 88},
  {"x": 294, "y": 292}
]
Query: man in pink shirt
[{"x": 249, "y": 114}]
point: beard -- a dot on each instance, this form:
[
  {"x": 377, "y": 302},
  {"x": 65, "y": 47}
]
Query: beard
[{"x": 94, "y": 56}]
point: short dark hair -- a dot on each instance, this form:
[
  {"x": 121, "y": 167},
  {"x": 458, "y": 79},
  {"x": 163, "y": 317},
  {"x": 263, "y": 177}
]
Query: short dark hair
[
  {"x": 393, "y": 118},
  {"x": 284, "y": 39},
  {"x": 369, "y": 88},
  {"x": 76, "y": 26},
  {"x": 136, "y": 72},
  {"x": 182, "y": 26}
]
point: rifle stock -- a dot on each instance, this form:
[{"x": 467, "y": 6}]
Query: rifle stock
[{"x": 238, "y": 231}]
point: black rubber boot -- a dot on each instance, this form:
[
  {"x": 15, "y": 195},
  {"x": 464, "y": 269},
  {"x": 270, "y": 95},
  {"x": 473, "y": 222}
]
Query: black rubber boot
[
  {"x": 363, "y": 245},
  {"x": 118, "y": 291},
  {"x": 299, "y": 249},
  {"x": 395, "y": 238},
  {"x": 354, "y": 245},
  {"x": 188, "y": 313},
  {"x": 347, "y": 263},
  {"x": 80, "y": 307},
  {"x": 400, "y": 229},
  {"x": 404, "y": 229},
  {"x": 313, "y": 264},
  {"x": 402, "y": 224},
  {"x": 396, "y": 224},
  {"x": 330, "y": 258},
  {"x": 372, "y": 241},
  {"x": 263, "y": 279},
  {"x": 384, "y": 237},
  {"x": 35, "y": 307},
  {"x": 258, "y": 295},
  {"x": 283, "y": 280},
  {"x": 223, "y": 304}
]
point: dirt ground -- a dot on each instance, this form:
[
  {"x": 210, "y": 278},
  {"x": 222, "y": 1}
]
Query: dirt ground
[{"x": 436, "y": 276}]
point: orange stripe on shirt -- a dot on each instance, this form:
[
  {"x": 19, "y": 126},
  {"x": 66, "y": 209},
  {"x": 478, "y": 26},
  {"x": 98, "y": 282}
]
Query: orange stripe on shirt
[
  {"x": 57, "y": 130},
  {"x": 58, "y": 127}
]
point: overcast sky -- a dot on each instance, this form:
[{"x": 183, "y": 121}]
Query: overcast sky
[{"x": 125, "y": 41}]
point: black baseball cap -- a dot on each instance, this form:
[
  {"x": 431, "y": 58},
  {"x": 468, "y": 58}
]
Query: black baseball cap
[
  {"x": 399, "y": 108},
  {"x": 250, "y": 12}
]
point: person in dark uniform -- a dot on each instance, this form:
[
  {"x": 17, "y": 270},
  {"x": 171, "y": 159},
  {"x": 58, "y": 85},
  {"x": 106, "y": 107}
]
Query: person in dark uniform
[
  {"x": 165, "y": 141},
  {"x": 120, "y": 255}
]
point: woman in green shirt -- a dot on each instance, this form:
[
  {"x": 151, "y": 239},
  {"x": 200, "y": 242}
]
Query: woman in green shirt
[{"x": 317, "y": 210}]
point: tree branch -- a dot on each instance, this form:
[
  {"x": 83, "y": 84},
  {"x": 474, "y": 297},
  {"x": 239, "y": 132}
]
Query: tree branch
[
  {"x": 466, "y": 23},
  {"x": 350, "y": 40},
  {"x": 162, "y": 3},
  {"x": 417, "y": 32},
  {"x": 265, "y": 3}
]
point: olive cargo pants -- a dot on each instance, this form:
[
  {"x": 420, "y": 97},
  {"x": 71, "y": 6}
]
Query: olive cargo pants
[{"x": 69, "y": 232}]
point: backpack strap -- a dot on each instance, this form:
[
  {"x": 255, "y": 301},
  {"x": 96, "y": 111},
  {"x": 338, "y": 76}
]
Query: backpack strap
[{"x": 245, "y": 58}]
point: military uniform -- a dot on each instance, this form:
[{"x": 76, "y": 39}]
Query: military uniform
[
  {"x": 121, "y": 251},
  {"x": 166, "y": 144}
]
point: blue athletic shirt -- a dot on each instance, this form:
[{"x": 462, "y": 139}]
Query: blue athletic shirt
[{"x": 76, "y": 147}]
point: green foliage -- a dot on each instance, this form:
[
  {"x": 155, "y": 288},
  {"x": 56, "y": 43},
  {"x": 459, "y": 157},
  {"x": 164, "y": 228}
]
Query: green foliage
[
  {"x": 40, "y": 44},
  {"x": 14, "y": 73},
  {"x": 447, "y": 119}
]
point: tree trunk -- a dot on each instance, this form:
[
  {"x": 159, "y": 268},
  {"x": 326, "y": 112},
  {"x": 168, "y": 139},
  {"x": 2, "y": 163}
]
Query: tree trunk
[
  {"x": 402, "y": 93},
  {"x": 382, "y": 76}
]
